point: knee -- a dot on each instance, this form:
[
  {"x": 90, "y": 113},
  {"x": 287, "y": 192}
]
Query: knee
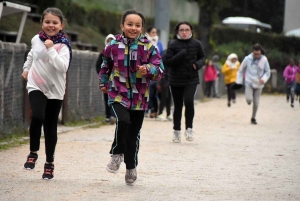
[{"x": 37, "y": 118}]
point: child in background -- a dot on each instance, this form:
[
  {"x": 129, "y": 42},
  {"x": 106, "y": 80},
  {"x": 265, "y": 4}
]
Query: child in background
[
  {"x": 129, "y": 63},
  {"x": 289, "y": 75},
  {"x": 45, "y": 69},
  {"x": 297, "y": 90},
  {"x": 210, "y": 74},
  {"x": 108, "y": 114}
]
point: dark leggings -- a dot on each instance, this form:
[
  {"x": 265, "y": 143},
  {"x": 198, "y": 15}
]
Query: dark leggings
[
  {"x": 127, "y": 134},
  {"x": 230, "y": 92},
  {"x": 184, "y": 95},
  {"x": 165, "y": 100},
  {"x": 44, "y": 113},
  {"x": 208, "y": 86}
]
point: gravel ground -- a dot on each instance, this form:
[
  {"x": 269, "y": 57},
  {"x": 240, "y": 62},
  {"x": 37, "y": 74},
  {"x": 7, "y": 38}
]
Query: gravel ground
[{"x": 230, "y": 159}]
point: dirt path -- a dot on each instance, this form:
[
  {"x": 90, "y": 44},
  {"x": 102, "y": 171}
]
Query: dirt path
[{"x": 228, "y": 160}]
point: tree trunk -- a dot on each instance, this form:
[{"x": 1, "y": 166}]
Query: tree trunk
[{"x": 205, "y": 23}]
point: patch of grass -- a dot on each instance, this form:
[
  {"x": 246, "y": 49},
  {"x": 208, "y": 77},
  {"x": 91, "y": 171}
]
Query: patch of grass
[
  {"x": 18, "y": 137},
  {"x": 97, "y": 120}
]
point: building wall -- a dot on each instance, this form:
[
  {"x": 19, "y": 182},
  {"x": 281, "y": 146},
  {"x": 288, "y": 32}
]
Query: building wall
[{"x": 291, "y": 15}]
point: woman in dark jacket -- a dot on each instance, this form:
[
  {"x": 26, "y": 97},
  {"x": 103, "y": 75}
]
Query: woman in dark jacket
[{"x": 185, "y": 57}]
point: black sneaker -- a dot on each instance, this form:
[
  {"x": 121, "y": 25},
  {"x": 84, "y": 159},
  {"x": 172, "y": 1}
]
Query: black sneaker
[
  {"x": 253, "y": 121},
  {"x": 292, "y": 104},
  {"x": 48, "y": 171},
  {"x": 31, "y": 161}
]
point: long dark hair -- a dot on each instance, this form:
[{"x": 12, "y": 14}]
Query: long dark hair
[
  {"x": 176, "y": 29},
  {"x": 57, "y": 12},
  {"x": 257, "y": 47}
]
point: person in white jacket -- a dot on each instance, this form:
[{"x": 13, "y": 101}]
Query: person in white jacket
[
  {"x": 256, "y": 69},
  {"x": 45, "y": 71}
]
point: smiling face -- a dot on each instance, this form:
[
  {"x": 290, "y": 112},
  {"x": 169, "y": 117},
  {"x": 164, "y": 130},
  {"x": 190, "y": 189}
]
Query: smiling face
[
  {"x": 132, "y": 26},
  {"x": 153, "y": 32},
  {"x": 184, "y": 31},
  {"x": 51, "y": 24}
]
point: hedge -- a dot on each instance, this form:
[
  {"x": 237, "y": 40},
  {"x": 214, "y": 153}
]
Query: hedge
[{"x": 271, "y": 41}]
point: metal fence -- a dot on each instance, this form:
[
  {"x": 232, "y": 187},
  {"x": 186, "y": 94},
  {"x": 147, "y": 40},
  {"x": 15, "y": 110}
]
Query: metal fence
[{"x": 83, "y": 99}]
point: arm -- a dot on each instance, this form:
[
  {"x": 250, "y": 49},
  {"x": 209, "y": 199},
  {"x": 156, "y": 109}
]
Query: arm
[
  {"x": 155, "y": 67},
  {"x": 225, "y": 69},
  {"x": 201, "y": 58},
  {"x": 267, "y": 73},
  {"x": 172, "y": 58},
  {"x": 60, "y": 60},
  {"x": 106, "y": 67},
  {"x": 241, "y": 71},
  {"x": 27, "y": 65}
]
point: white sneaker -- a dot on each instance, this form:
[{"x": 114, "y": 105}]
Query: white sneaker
[
  {"x": 161, "y": 118},
  {"x": 176, "y": 136},
  {"x": 170, "y": 118},
  {"x": 189, "y": 134}
]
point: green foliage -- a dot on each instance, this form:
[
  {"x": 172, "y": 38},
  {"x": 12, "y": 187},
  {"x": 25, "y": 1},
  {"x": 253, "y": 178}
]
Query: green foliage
[{"x": 268, "y": 41}]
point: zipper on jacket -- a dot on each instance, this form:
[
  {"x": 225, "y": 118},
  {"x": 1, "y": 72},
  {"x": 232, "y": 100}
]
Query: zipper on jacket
[{"x": 129, "y": 75}]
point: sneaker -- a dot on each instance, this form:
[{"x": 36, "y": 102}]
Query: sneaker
[
  {"x": 176, "y": 136},
  {"x": 114, "y": 163},
  {"x": 130, "y": 176},
  {"x": 31, "y": 161},
  {"x": 112, "y": 120},
  {"x": 170, "y": 118},
  {"x": 253, "y": 121},
  {"x": 107, "y": 120},
  {"x": 189, "y": 134},
  {"x": 292, "y": 104},
  {"x": 161, "y": 118},
  {"x": 48, "y": 171}
]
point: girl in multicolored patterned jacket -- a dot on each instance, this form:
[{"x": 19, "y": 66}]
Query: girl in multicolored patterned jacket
[{"x": 129, "y": 63}]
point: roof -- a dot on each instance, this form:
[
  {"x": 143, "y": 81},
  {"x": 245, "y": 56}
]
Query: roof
[
  {"x": 11, "y": 8},
  {"x": 294, "y": 32},
  {"x": 245, "y": 21}
]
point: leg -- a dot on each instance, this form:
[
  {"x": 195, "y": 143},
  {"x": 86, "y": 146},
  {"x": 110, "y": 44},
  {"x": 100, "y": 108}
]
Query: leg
[
  {"x": 288, "y": 92},
  {"x": 188, "y": 97},
  {"x": 177, "y": 94},
  {"x": 107, "y": 108},
  {"x": 168, "y": 102},
  {"x": 249, "y": 94},
  {"x": 133, "y": 139},
  {"x": 122, "y": 124},
  {"x": 293, "y": 87},
  {"x": 228, "y": 93},
  {"x": 38, "y": 102},
  {"x": 256, "y": 97},
  {"x": 50, "y": 127}
]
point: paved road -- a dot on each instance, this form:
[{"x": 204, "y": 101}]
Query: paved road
[{"x": 228, "y": 160}]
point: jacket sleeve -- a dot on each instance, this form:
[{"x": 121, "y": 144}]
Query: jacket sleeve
[
  {"x": 155, "y": 67},
  {"x": 241, "y": 71},
  {"x": 267, "y": 72},
  {"x": 201, "y": 58},
  {"x": 225, "y": 69},
  {"x": 172, "y": 58},
  {"x": 28, "y": 62},
  {"x": 106, "y": 67}
]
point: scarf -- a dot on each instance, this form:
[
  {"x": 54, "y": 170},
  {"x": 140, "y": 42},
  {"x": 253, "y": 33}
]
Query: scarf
[{"x": 58, "y": 38}]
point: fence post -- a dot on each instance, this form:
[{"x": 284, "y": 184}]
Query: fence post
[{"x": 274, "y": 78}]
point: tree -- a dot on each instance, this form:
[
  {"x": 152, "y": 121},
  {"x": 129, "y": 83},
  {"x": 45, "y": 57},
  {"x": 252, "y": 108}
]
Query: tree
[{"x": 208, "y": 16}]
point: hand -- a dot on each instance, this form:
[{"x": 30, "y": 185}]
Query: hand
[
  {"x": 262, "y": 81},
  {"x": 103, "y": 89},
  {"x": 195, "y": 67},
  {"x": 25, "y": 75},
  {"x": 143, "y": 70},
  {"x": 48, "y": 43}
]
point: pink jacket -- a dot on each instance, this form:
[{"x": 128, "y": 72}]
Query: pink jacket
[
  {"x": 290, "y": 72},
  {"x": 210, "y": 74}
]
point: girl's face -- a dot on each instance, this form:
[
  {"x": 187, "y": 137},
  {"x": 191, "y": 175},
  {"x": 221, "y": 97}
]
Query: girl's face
[
  {"x": 132, "y": 26},
  {"x": 210, "y": 63},
  {"x": 51, "y": 24},
  {"x": 153, "y": 32},
  {"x": 184, "y": 31},
  {"x": 233, "y": 60}
]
